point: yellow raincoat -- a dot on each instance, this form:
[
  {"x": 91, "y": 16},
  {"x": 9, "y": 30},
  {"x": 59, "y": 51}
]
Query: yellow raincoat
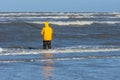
[{"x": 47, "y": 32}]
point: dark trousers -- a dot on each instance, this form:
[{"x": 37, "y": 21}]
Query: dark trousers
[{"x": 46, "y": 44}]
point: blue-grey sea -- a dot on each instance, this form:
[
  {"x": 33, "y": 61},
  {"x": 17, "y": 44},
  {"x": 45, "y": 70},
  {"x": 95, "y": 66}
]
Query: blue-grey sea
[{"x": 85, "y": 46}]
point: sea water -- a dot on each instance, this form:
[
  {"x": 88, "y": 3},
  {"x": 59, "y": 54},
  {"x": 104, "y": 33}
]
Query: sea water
[{"x": 85, "y": 46}]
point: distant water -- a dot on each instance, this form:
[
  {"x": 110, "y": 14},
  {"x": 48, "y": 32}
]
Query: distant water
[{"x": 85, "y": 46}]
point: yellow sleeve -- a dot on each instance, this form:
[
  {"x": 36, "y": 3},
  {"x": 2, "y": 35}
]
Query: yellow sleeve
[{"x": 42, "y": 31}]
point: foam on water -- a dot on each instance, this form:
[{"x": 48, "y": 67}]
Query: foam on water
[
  {"x": 77, "y": 22},
  {"x": 58, "y": 18},
  {"x": 57, "y": 59},
  {"x": 69, "y": 22},
  {"x": 1, "y": 50},
  {"x": 74, "y": 49}
]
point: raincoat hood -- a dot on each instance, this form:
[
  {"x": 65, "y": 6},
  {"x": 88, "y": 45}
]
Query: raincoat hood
[{"x": 46, "y": 24}]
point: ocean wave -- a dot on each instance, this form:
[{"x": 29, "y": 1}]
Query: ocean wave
[
  {"x": 60, "y": 23},
  {"x": 57, "y": 59},
  {"x": 78, "y": 22},
  {"x": 118, "y": 16},
  {"x": 73, "y": 49},
  {"x": 34, "y": 13},
  {"x": 58, "y": 15}
]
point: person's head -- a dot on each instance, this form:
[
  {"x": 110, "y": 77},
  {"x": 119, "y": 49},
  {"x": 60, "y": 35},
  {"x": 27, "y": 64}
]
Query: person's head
[{"x": 46, "y": 24}]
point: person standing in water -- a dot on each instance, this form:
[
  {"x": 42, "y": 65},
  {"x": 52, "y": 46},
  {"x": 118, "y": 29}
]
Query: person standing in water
[{"x": 47, "y": 33}]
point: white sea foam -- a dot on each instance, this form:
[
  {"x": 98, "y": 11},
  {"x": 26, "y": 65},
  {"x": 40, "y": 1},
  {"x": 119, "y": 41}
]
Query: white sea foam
[
  {"x": 56, "y": 59},
  {"x": 58, "y": 15},
  {"x": 37, "y": 17},
  {"x": 78, "y": 22},
  {"x": 74, "y": 49},
  {"x": 1, "y": 50},
  {"x": 64, "y": 23},
  {"x": 34, "y": 17},
  {"x": 118, "y": 16}
]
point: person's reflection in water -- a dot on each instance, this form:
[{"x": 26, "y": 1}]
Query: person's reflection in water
[{"x": 48, "y": 66}]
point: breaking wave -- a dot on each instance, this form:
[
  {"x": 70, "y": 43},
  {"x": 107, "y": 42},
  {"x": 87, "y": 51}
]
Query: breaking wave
[
  {"x": 70, "y": 22},
  {"x": 74, "y": 49},
  {"x": 69, "y": 14},
  {"x": 66, "y": 53},
  {"x": 61, "y": 18},
  {"x": 57, "y": 59},
  {"x": 79, "y": 22}
]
